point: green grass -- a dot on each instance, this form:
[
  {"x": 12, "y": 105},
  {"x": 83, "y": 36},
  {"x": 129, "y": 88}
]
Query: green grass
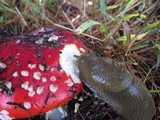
[{"x": 25, "y": 14}]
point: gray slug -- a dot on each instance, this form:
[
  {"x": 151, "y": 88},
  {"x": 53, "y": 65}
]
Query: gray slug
[{"x": 110, "y": 81}]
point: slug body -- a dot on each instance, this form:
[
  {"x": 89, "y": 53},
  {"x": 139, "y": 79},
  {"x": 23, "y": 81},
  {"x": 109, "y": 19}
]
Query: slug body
[{"x": 110, "y": 81}]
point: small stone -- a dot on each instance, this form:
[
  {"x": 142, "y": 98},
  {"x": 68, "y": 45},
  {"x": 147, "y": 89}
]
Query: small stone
[{"x": 76, "y": 107}]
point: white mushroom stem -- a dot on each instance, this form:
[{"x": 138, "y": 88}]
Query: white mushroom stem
[
  {"x": 69, "y": 63},
  {"x": 56, "y": 114}
]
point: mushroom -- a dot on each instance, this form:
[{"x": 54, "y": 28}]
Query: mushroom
[{"x": 38, "y": 72}]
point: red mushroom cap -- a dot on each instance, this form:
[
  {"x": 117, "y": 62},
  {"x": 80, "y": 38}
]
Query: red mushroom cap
[{"x": 38, "y": 72}]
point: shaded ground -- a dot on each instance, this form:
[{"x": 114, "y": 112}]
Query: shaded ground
[{"x": 91, "y": 108}]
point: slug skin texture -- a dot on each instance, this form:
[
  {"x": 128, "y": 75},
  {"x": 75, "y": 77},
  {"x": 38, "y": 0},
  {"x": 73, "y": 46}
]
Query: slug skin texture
[{"x": 111, "y": 82}]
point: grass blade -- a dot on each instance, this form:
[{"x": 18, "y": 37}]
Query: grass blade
[{"x": 86, "y": 25}]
